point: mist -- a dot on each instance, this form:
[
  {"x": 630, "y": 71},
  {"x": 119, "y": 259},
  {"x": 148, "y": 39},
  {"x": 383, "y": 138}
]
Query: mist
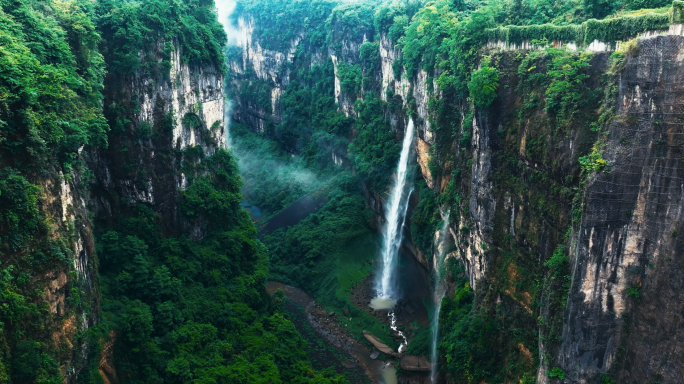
[
  {"x": 225, "y": 10},
  {"x": 266, "y": 177}
]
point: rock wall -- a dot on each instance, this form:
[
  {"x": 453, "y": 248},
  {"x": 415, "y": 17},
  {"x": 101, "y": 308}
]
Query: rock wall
[
  {"x": 67, "y": 208},
  {"x": 624, "y": 314},
  {"x": 163, "y": 115},
  {"x": 270, "y": 67}
]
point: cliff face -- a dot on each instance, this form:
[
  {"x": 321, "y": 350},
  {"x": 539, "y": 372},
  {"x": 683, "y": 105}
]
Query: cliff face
[
  {"x": 162, "y": 123},
  {"x": 71, "y": 295},
  {"x": 624, "y": 315}
]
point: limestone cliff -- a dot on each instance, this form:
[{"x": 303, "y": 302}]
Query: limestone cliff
[
  {"x": 624, "y": 315},
  {"x": 160, "y": 120}
]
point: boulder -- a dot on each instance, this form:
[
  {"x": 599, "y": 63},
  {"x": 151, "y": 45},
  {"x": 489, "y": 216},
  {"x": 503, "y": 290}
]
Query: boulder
[{"x": 382, "y": 347}]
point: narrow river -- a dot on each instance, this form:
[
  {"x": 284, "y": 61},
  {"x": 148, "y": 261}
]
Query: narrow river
[{"x": 325, "y": 326}]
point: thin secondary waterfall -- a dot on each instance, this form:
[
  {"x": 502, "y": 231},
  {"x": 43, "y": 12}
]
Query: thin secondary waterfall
[
  {"x": 395, "y": 213},
  {"x": 440, "y": 290}
]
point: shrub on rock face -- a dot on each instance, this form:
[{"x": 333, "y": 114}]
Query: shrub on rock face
[{"x": 483, "y": 84}]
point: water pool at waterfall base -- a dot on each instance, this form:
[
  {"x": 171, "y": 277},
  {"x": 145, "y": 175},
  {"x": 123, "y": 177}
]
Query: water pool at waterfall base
[
  {"x": 382, "y": 303},
  {"x": 389, "y": 373}
]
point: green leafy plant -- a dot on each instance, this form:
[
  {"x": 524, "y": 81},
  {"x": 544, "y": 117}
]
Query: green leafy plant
[
  {"x": 593, "y": 162},
  {"x": 557, "y": 372},
  {"x": 350, "y": 76},
  {"x": 483, "y": 84}
]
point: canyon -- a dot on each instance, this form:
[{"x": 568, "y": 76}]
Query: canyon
[{"x": 330, "y": 192}]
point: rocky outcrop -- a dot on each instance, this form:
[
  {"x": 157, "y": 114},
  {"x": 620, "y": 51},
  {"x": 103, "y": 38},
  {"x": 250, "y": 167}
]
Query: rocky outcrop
[
  {"x": 415, "y": 364},
  {"x": 474, "y": 236},
  {"x": 382, "y": 347},
  {"x": 423, "y": 152}
]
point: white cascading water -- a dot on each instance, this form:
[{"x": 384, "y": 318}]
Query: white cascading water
[
  {"x": 224, "y": 11},
  {"x": 440, "y": 290},
  {"x": 395, "y": 213}
]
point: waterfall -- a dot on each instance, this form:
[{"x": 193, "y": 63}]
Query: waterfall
[
  {"x": 224, "y": 11},
  {"x": 395, "y": 213},
  {"x": 440, "y": 290}
]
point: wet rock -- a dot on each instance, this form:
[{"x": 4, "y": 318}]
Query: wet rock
[
  {"x": 331, "y": 314},
  {"x": 415, "y": 363},
  {"x": 374, "y": 355}
]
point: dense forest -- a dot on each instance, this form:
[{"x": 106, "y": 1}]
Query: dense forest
[{"x": 134, "y": 135}]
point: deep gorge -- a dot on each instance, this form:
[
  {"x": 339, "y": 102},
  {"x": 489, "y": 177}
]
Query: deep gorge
[{"x": 205, "y": 191}]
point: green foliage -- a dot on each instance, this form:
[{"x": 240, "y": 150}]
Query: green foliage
[
  {"x": 131, "y": 29},
  {"x": 607, "y": 30},
  {"x": 329, "y": 252},
  {"x": 421, "y": 342},
  {"x": 436, "y": 38},
  {"x": 557, "y": 372},
  {"x": 678, "y": 11},
  {"x": 279, "y": 23},
  {"x": 647, "y": 4},
  {"x": 258, "y": 91},
  {"x": 50, "y": 80},
  {"x": 31, "y": 364},
  {"x": 567, "y": 91},
  {"x": 51, "y": 75},
  {"x": 273, "y": 178},
  {"x": 464, "y": 346},
  {"x": 483, "y": 84},
  {"x": 392, "y": 18},
  {"x": 558, "y": 264},
  {"x": 295, "y": 252},
  {"x": 593, "y": 162},
  {"x": 349, "y": 19},
  {"x": 425, "y": 219},
  {"x": 374, "y": 151},
  {"x": 350, "y": 77},
  {"x": 369, "y": 54},
  {"x": 634, "y": 292},
  {"x": 197, "y": 309},
  {"x": 20, "y": 219},
  {"x": 599, "y": 8}
]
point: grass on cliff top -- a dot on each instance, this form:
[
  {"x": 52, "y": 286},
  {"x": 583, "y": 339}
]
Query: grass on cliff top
[{"x": 640, "y": 12}]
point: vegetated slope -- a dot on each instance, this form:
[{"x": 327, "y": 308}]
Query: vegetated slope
[
  {"x": 180, "y": 295},
  {"x": 182, "y": 273},
  {"x": 507, "y": 141},
  {"x": 50, "y": 106}
]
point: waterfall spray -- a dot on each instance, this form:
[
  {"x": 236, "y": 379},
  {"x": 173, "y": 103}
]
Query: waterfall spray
[
  {"x": 440, "y": 290},
  {"x": 224, "y": 10},
  {"x": 395, "y": 213}
]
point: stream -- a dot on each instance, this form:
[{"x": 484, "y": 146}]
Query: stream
[{"x": 328, "y": 328}]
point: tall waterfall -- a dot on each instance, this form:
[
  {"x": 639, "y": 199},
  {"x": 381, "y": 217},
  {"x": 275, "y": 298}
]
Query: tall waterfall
[
  {"x": 440, "y": 289},
  {"x": 224, "y": 11},
  {"x": 395, "y": 213}
]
